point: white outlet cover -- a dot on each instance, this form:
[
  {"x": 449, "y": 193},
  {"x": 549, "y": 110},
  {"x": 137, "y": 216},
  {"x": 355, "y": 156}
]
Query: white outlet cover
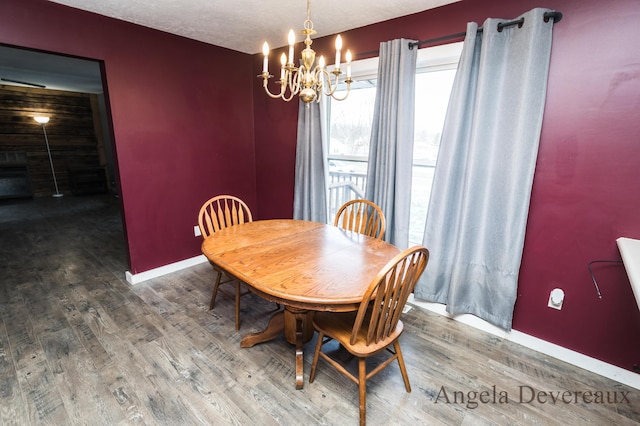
[
  {"x": 556, "y": 298},
  {"x": 196, "y": 231}
]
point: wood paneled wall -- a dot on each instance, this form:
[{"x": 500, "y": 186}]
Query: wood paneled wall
[{"x": 71, "y": 134}]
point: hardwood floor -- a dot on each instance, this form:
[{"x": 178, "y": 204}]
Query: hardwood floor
[{"x": 79, "y": 345}]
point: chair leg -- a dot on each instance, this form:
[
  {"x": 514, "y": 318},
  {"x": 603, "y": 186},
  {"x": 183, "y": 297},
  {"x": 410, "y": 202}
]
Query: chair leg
[
  {"x": 237, "y": 305},
  {"x": 362, "y": 388},
  {"x": 316, "y": 355},
  {"x": 215, "y": 290},
  {"x": 403, "y": 369}
]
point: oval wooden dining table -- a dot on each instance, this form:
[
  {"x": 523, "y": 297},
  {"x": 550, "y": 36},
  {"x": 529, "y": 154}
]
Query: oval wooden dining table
[{"x": 304, "y": 266}]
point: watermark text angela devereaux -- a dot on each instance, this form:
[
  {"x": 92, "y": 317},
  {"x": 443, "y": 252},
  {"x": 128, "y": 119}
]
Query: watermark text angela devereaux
[{"x": 529, "y": 395}]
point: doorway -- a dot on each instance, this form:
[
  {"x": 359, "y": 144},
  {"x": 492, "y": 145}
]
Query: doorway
[
  {"x": 39, "y": 82},
  {"x": 73, "y": 92}
]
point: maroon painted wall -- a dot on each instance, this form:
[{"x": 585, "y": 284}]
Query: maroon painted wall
[
  {"x": 587, "y": 184},
  {"x": 182, "y": 119},
  {"x": 275, "y": 124}
]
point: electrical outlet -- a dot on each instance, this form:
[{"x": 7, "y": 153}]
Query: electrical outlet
[
  {"x": 196, "y": 231},
  {"x": 556, "y": 298}
]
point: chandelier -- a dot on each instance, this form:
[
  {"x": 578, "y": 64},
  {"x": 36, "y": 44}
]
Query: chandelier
[{"x": 307, "y": 80}]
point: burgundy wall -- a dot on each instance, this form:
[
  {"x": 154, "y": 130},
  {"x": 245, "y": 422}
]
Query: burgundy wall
[
  {"x": 587, "y": 182},
  {"x": 275, "y": 124},
  {"x": 182, "y": 119}
]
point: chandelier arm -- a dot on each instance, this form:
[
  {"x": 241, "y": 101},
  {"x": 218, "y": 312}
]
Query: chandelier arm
[
  {"x": 297, "y": 76},
  {"x": 288, "y": 98},
  {"x": 265, "y": 83},
  {"x": 330, "y": 85},
  {"x": 293, "y": 83},
  {"x": 346, "y": 93},
  {"x": 318, "y": 79},
  {"x": 283, "y": 91}
]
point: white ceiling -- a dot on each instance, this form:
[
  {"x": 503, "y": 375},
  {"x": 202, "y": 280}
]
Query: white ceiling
[{"x": 244, "y": 25}]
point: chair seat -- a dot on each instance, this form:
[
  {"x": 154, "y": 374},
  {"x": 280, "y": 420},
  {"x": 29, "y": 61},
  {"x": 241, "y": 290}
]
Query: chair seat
[{"x": 339, "y": 325}]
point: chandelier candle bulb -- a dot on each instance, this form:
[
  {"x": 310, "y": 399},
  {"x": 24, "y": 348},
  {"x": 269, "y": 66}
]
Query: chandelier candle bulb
[
  {"x": 338, "y": 47},
  {"x": 348, "y": 58},
  {"x": 283, "y": 62},
  {"x": 292, "y": 40},
  {"x": 265, "y": 52},
  {"x": 321, "y": 63}
]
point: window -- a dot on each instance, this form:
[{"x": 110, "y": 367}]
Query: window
[{"x": 350, "y": 130}]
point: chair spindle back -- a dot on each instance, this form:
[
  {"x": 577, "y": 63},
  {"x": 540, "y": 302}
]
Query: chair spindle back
[
  {"x": 363, "y": 217},
  {"x": 385, "y": 298},
  {"x": 222, "y": 212}
]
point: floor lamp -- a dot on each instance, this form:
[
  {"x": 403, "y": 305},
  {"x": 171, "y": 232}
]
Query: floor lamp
[{"x": 43, "y": 121}]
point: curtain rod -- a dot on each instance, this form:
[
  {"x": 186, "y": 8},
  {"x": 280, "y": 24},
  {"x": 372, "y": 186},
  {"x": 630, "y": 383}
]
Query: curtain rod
[{"x": 556, "y": 16}]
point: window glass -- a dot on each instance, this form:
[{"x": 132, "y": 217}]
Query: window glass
[
  {"x": 350, "y": 130},
  {"x": 351, "y": 122},
  {"x": 432, "y": 97}
]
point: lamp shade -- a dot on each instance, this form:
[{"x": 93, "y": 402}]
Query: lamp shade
[{"x": 41, "y": 120}]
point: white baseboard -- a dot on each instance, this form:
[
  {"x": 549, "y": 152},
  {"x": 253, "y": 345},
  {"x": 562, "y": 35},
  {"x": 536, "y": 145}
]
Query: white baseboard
[
  {"x": 163, "y": 270},
  {"x": 593, "y": 365}
]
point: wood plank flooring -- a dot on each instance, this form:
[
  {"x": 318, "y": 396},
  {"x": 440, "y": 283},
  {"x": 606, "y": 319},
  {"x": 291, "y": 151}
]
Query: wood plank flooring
[{"x": 80, "y": 346}]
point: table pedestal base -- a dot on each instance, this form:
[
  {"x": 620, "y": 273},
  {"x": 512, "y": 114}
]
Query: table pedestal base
[{"x": 298, "y": 330}]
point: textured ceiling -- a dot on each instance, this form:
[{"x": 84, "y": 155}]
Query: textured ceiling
[{"x": 243, "y": 25}]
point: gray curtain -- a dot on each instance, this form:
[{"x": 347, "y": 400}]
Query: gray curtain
[
  {"x": 391, "y": 147},
  {"x": 479, "y": 203},
  {"x": 310, "y": 198}
]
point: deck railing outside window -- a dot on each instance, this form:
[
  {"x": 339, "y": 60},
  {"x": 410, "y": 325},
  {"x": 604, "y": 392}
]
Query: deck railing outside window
[{"x": 344, "y": 187}]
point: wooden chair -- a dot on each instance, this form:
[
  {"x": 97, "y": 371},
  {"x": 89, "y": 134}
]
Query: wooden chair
[
  {"x": 363, "y": 217},
  {"x": 376, "y": 325},
  {"x": 218, "y": 213}
]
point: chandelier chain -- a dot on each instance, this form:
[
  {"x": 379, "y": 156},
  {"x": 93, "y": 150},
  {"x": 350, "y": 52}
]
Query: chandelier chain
[{"x": 308, "y": 24}]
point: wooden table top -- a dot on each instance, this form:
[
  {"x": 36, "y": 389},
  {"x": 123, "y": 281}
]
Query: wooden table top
[{"x": 301, "y": 264}]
